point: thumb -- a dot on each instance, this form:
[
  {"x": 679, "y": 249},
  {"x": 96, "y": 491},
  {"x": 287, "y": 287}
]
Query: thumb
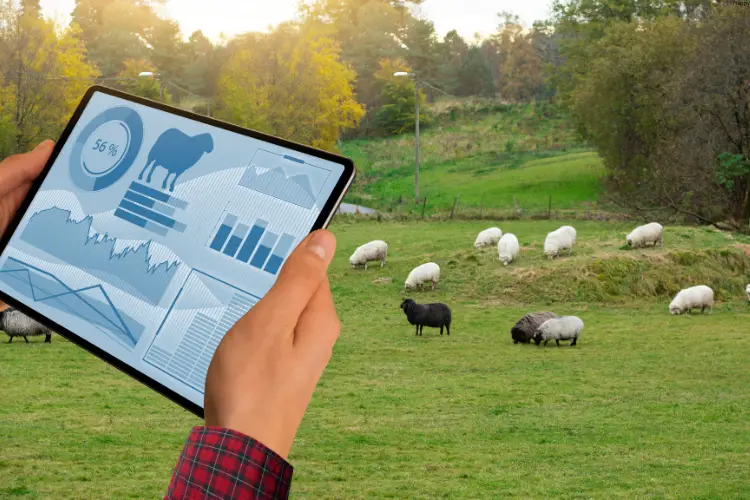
[
  {"x": 303, "y": 273},
  {"x": 22, "y": 169}
]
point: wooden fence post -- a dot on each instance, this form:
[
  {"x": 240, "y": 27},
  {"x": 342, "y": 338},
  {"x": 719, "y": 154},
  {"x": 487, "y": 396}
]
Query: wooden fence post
[
  {"x": 549, "y": 208},
  {"x": 424, "y": 204},
  {"x": 481, "y": 207},
  {"x": 455, "y": 205}
]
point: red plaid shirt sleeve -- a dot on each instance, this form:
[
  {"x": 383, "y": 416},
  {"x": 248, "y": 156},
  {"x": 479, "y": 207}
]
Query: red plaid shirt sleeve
[{"x": 221, "y": 463}]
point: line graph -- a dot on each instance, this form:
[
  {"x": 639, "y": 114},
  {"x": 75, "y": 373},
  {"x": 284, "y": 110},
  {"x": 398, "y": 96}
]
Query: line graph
[
  {"x": 42, "y": 286},
  {"x": 285, "y": 177},
  {"x": 130, "y": 270}
]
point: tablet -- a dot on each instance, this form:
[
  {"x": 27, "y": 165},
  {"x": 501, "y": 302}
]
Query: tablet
[{"x": 152, "y": 230}]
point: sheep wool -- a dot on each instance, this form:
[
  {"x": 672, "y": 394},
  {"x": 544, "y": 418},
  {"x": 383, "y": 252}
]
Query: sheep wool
[
  {"x": 557, "y": 329},
  {"x": 426, "y": 273},
  {"x": 432, "y": 315},
  {"x": 16, "y": 324},
  {"x": 556, "y": 242},
  {"x": 370, "y": 252},
  {"x": 693, "y": 298},
  {"x": 523, "y": 331},
  {"x": 642, "y": 236},
  {"x": 571, "y": 231},
  {"x": 747, "y": 291},
  {"x": 488, "y": 237},
  {"x": 508, "y": 248}
]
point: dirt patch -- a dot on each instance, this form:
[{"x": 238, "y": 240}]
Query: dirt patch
[{"x": 744, "y": 248}]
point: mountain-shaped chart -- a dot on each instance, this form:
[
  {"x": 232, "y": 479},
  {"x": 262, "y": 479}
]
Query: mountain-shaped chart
[
  {"x": 286, "y": 178},
  {"x": 91, "y": 304},
  {"x": 131, "y": 270}
]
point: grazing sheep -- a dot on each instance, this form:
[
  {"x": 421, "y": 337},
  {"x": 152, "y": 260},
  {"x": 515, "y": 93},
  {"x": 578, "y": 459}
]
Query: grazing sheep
[
  {"x": 747, "y": 291},
  {"x": 564, "y": 328},
  {"x": 432, "y": 315},
  {"x": 556, "y": 242},
  {"x": 642, "y": 236},
  {"x": 426, "y": 273},
  {"x": 523, "y": 331},
  {"x": 693, "y": 298},
  {"x": 176, "y": 152},
  {"x": 488, "y": 237},
  {"x": 370, "y": 252},
  {"x": 508, "y": 248},
  {"x": 16, "y": 324},
  {"x": 571, "y": 231}
]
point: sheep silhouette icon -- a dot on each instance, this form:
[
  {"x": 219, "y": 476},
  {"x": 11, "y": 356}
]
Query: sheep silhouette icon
[{"x": 177, "y": 153}]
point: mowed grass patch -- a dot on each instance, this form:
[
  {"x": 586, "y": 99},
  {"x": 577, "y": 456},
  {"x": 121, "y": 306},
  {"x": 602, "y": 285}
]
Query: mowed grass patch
[{"x": 648, "y": 405}]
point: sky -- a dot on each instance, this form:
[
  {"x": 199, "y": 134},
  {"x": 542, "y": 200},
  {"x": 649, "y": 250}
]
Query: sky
[{"x": 231, "y": 17}]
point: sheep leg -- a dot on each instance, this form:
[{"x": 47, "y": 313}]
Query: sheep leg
[
  {"x": 171, "y": 189},
  {"x": 365, "y": 266},
  {"x": 421, "y": 330},
  {"x": 10, "y": 340},
  {"x": 153, "y": 167},
  {"x": 448, "y": 329},
  {"x": 143, "y": 172},
  {"x": 166, "y": 179},
  {"x": 574, "y": 342},
  {"x": 545, "y": 342},
  {"x": 382, "y": 263},
  {"x": 417, "y": 332},
  {"x": 557, "y": 341},
  {"x": 48, "y": 339},
  {"x": 434, "y": 285},
  {"x": 27, "y": 340},
  {"x": 441, "y": 329}
]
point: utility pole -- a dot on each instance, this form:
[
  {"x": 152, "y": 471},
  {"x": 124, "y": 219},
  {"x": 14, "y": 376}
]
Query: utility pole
[{"x": 416, "y": 147}]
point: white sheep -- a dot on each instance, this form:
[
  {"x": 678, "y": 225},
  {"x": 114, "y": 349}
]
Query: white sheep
[
  {"x": 488, "y": 237},
  {"x": 747, "y": 291},
  {"x": 556, "y": 242},
  {"x": 370, "y": 252},
  {"x": 508, "y": 248},
  {"x": 564, "y": 328},
  {"x": 642, "y": 236},
  {"x": 426, "y": 273},
  {"x": 571, "y": 231},
  {"x": 693, "y": 298}
]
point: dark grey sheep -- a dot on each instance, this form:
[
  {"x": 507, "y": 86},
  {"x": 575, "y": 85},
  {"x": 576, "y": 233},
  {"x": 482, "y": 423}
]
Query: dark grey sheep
[
  {"x": 432, "y": 315},
  {"x": 16, "y": 324},
  {"x": 177, "y": 153},
  {"x": 523, "y": 331}
]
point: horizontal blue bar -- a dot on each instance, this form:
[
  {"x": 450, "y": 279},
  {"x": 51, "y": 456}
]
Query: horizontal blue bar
[
  {"x": 140, "y": 222},
  {"x": 141, "y": 200},
  {"x": 260, "y": 257},
  {"x": 159, "y": 196},
  {"x": 221, "y": 237},
  {"x": 292, "y": 158},
  {"x": 149, "y": 214},
  {"x": 274, "y": 264}
]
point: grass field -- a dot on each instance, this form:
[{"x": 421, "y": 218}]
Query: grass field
[
  {"x": 530, "y": 152},
  {"x": 647, "y": 406}
]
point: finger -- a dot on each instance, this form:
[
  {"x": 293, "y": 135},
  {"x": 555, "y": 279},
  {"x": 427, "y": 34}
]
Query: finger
[
  {"x": 22, "y": 169},
  {"x": 300, "y": 278},
  {"x": 318, "y": 329}
]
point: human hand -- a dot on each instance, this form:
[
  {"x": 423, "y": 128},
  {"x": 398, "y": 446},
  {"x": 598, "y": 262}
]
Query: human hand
[
  {"x": 265, "y": 370},
  {"x": 16, "y": 175}
]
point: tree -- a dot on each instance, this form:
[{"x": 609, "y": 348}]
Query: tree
[
  {"x": 150, "y": 88},
  {"x": 398, "y": 94},
  {"x": 519, "y": 76},
  {"x": 452, "y": 51},
  {"x": 290, "y": 83},
  {"x": 43, "y": 75},
  {"x": 475, "y": 77}
]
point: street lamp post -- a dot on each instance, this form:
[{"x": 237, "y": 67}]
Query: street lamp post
[{"x": 416, "y": 130}]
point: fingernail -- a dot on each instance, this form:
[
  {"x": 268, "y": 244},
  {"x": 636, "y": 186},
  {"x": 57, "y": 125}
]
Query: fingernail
[
  {"x": 42, "y": 145},
  {"x": 321, "y": 243}
]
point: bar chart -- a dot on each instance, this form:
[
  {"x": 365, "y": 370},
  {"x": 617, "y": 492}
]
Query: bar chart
[
  {"x": 151, "y": 209},
  {"x": 254, "y": 245}
]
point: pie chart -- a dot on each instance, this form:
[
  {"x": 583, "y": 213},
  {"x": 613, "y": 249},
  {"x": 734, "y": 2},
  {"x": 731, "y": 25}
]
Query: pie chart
[{"x": 106, "y": 148}]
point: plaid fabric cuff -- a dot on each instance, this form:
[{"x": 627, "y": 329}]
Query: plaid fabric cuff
[{"x": 221, "y": 463}]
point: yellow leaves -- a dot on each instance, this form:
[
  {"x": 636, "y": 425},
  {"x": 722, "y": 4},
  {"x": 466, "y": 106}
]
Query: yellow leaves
[{"x": 291, "y": 83}]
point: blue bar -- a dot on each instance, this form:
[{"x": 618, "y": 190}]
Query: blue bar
[
  {"x": 236, "y": 240},
  {"x": 149, "y": 214},
  {"x": 279, "y": 254},
  {"x": 141, "y": 200},
  {"x": 264, "y": 250},
  {"x": 223, "y": 233},
  {"x": 274, "y": 264},
  {"x": 252, "y": 240},
  {"x": 140, "y": 222},
  {"x": 159, "y": 196},
  {"x": 292, "y": 158}
]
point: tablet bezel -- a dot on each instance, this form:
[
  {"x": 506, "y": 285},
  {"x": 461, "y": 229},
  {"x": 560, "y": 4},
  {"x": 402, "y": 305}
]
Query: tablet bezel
[{"x": 326, "y": 214}]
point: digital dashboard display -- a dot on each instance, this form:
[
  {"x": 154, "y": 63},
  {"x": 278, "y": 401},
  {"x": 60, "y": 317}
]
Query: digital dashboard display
[{"x": 152, "y": 234}]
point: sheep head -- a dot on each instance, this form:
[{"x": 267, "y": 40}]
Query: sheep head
[{"x": 206, "y": 141}]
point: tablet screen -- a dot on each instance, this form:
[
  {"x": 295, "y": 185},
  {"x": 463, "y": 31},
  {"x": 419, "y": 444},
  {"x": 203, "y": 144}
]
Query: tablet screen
[{"x": 152, "y": 234}]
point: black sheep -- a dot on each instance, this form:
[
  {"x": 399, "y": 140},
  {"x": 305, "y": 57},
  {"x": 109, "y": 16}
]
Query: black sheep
[{"x": 432, "y": 315}]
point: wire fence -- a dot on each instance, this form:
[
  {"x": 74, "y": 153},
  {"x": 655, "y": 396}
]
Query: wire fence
[{"x": 402, "y": 208}]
